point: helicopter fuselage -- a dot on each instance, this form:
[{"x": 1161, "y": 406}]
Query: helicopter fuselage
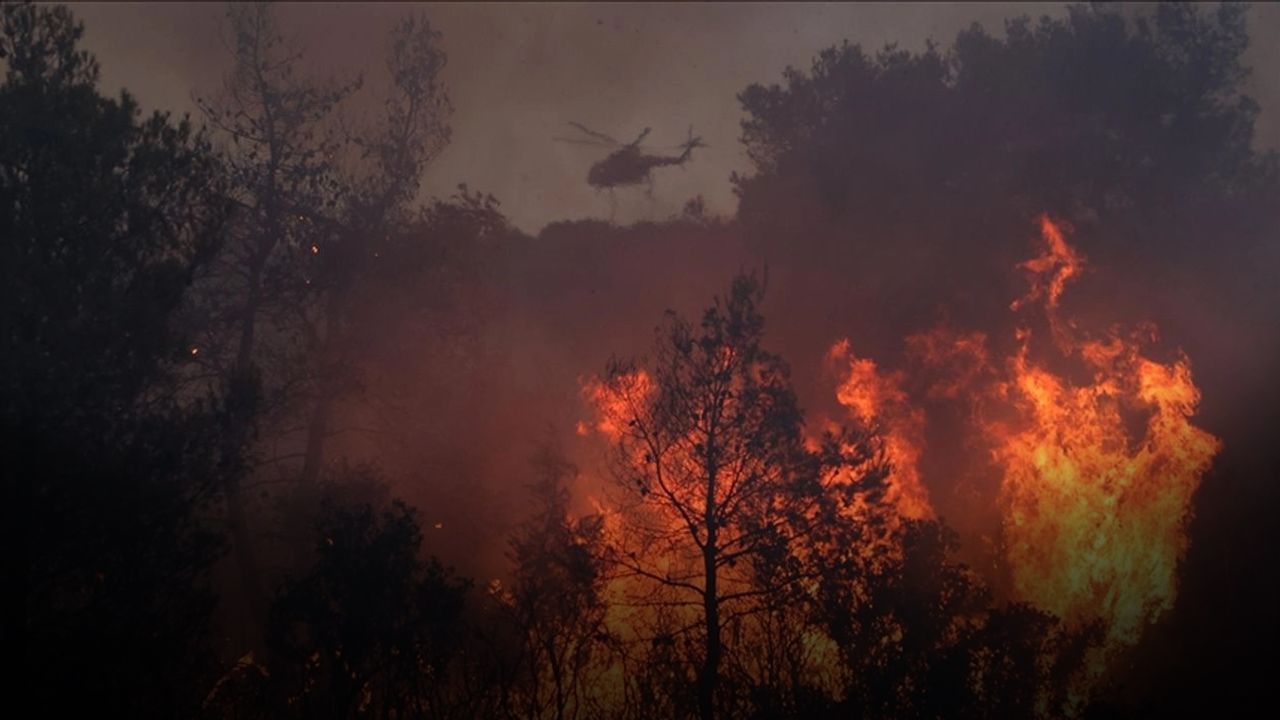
[{"x": 629, "y": 166}]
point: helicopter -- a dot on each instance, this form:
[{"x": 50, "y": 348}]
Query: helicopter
[{"x": 628, "y": 164}]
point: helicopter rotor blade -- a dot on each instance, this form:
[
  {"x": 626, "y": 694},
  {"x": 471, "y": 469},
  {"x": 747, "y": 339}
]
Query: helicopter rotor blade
[
  {"x": 580, "y": 141},
  {"x": 597, "y": 135}
]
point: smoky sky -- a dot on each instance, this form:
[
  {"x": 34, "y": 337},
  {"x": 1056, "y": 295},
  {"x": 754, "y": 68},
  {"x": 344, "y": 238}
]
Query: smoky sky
[{"x": 519, "y": 72}]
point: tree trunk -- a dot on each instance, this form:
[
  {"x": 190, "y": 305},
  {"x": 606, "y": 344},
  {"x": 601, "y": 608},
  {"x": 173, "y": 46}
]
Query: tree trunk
[
  {"x": 709, "y": 674},
  {"x": 250, "y": 574},
  {"x": 327, "y": 394}
]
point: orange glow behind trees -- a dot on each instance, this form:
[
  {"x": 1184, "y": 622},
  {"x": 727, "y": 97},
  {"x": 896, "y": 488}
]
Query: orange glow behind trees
[{"x": 723, "y": 494}]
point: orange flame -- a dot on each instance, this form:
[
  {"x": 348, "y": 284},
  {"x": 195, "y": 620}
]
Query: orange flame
[
  {"x": 615, "y": 402},
  {"x": 1095, "y": 513},
  {"x": 876, "y": 399},
  {"x": 1050, "y": 271},
  {"x": 1096, "y": 476}
]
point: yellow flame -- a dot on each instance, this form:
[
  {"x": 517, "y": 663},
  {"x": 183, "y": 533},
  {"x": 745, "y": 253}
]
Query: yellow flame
[{"x": 1096, "y": 514}]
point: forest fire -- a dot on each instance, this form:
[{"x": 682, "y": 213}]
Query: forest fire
[
  {"x": 861, "y": 413},
  {"x": 629, "y": 392},
  {"x": 1094, "y": 512},
  {"x": 1091, "y": 441}
]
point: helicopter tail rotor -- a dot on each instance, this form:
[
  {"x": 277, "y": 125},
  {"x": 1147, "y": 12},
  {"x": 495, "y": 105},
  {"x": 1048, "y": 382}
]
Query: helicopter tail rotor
[{"x": 691, "y": 143}]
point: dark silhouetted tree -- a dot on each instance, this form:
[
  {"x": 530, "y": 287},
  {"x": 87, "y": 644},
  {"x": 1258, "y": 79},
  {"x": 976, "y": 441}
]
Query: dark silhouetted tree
[
  {"x": 1089, "y": 114},
  {"x": 911, "y": 173},
  {"x": 104, "y": 216},
  {"x": 920, "y": 635},
  {"x": 280, "y": 167},
  {"x": 555, "y": 599},
  {"x": 325, "y": 225},
  {"x": 375, "y": 211},
  {"x": 721, "y": 484},
  {"x": 372, "y": 628}
]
